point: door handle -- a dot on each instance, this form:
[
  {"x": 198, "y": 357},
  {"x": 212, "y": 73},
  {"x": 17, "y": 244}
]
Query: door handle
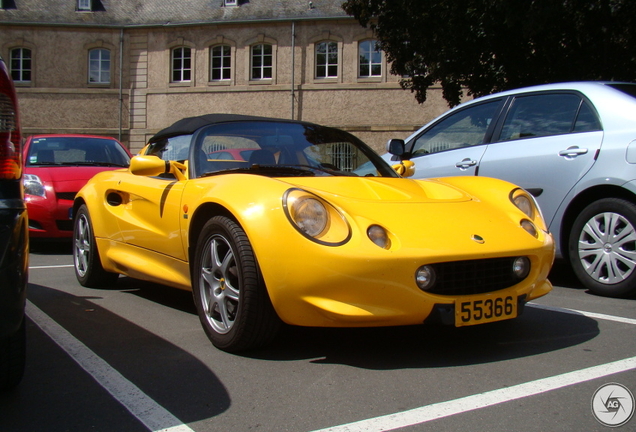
[
  {"x": 466, "y": 163},
  {"x": 572, "y": 152}
]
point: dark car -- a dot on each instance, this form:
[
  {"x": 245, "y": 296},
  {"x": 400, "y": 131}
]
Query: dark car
[{"x": 14, "y": 243}]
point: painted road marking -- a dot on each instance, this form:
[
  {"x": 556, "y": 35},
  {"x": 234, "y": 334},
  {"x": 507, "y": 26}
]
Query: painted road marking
[
  {"x": 584, "y": 313},
  {"x": 147, "y": 411},
  {"x": 51, "y": 266},
  {"x": 482, "y": 400}
]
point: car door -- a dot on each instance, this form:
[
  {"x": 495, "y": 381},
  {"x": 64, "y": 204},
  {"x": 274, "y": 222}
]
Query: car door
[
  {"x": 454, "y": 145},
  {"x": 545, "y": 143},
  {"x": 150, "y": 217}
]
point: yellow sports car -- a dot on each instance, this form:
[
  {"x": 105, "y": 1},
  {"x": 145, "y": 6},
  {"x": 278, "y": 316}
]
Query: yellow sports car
[{"x": 310, "y": 227}]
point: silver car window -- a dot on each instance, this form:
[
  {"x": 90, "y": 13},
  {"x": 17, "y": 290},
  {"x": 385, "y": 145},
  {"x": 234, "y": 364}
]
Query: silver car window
[
  {"x": 464, "y": 128},
  {"x": 540, "y": 115}
]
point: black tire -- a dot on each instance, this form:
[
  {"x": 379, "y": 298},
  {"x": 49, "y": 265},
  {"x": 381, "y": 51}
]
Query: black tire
[
  {"x": 12, "y": 358},
  {"x": 602, "y": 247},
  {"x": 229, "y": 292},
  {"x": 88, "y": 267}
]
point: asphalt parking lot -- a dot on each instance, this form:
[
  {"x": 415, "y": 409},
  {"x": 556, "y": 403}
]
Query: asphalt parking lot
[{"x": 134, "y": 358}]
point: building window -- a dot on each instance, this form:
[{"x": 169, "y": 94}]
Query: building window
[
  {"x": 220, "y": 63},
  {"x": 262, "y": 61},
  {"x": 21, "y": 64},
  {"x": 370, "y": 59},
  {"x": 99, "y": 66},
  {"x": 84, "y": 5},
  {"x": 181, "y": 64},
  {"x": 230, "y": 2},
  {"x": 327, "y": 60}
]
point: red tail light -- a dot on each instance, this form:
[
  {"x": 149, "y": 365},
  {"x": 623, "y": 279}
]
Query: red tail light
[{"x": 10, "y": 139}]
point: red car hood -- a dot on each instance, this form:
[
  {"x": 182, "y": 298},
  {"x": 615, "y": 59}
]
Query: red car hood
[{"x": 66, "y": 178}]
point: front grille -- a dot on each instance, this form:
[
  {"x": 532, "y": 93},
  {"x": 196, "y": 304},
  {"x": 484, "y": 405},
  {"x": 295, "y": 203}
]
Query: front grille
[
  {"x": 64, "y": 225},
  {"x": 473, "y": 277},
  {"x": 70, "y": 196}
]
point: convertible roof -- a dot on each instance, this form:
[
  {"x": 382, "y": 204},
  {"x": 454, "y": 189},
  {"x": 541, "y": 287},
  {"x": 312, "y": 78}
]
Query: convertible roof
[{"x": 189, "y": 125}]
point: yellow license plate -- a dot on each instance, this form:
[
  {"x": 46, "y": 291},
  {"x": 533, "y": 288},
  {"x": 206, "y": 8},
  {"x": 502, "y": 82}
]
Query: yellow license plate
[{"x": 484, "y": 309}]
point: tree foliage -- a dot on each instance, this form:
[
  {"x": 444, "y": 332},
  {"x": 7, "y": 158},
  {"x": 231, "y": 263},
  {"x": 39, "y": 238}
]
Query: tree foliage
[{"x": 485, "y": 46}]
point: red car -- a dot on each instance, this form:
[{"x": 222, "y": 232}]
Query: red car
[{"x": 56, "y": 168}]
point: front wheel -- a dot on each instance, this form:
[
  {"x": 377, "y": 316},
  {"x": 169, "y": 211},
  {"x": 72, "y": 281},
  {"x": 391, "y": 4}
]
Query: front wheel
[
  {"x": 88, "y": 267},
  {"x": 229, "y": 292},
  {"x": 602, "y": 247}
]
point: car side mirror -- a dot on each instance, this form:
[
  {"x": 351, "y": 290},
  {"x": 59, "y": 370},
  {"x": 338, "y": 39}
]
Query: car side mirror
[
  {"x": 148, "y": 166},
  {"x": 405, "y": 168},
  {"x": 396, "y": 147}
]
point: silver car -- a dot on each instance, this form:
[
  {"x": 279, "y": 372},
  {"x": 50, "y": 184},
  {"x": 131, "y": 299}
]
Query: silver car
[{"x": 572, "y": 145}]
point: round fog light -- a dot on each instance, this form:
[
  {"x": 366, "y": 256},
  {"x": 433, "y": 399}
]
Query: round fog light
[
  {"x": 521, "y": 267},
  {"x": 425, "y": 277}
]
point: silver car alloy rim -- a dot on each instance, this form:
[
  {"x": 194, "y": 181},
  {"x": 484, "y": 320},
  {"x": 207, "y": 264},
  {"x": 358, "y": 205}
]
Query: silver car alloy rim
[
  {"x": 607, "y": 248},
  {"x": 219, "y": 284},
  {"x": 82, "y": 245}
]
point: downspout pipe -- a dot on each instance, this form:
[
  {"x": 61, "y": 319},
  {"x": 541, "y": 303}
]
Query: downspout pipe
[
  {"x": 293, "y": 65},
  {"x": 121, "y": 83}
]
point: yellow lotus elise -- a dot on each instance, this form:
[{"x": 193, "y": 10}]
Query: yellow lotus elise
[{"x": 308, "y": 227}]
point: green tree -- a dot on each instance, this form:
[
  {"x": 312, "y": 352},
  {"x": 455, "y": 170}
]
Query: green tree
[{"x": 485, "y": 46}]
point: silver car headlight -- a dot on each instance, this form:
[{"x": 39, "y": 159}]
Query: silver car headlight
[
  {"x": 315, "y": 218},
  {"x": 33, "y": 185}
]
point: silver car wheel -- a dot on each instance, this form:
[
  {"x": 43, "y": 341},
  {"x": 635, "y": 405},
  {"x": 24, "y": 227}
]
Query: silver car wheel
[
  {"x": 81, "y": 253},
  {"x": 219, "y": 284},
  {"x": 607, "y": 248}
]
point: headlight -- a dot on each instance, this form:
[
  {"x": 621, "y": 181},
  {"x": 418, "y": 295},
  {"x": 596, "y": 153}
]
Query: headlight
[
  {"x": 523, "y": 202},
  {"x": 527, "y": 204},
  {"x": 33, "y": 185},
  {"x": 315, "y": 218},
  {"x": 379, "y": 236}
]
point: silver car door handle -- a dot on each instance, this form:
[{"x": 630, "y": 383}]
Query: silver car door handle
[
  {"x": 466, "y": 163},
  {"x": 573, "y": 151}
]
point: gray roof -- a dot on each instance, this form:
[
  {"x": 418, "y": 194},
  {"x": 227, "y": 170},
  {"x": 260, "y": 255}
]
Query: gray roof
[{"x": 161, "y": 12}]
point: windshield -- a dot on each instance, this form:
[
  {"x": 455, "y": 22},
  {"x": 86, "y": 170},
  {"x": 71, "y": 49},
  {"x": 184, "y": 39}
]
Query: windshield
[
  {"x": 276, "y": 149},
  {"x": 76, "y": 151}
]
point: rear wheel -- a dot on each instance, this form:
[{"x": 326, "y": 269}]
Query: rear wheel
[
  {"x": 602, "y": 247},
  {"x": 230, "y": 295},
  {"x": 88, "y": 267}
]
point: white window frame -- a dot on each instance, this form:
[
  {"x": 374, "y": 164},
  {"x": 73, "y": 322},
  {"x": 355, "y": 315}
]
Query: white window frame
[
  {"x": 84, "y": 5},
  {"x": 225, "y": 67},
  {"x": 330, "y": 48},
  {"x": 230, "y": 3},
  {"x": 99, "y": 67},
  {"x": 182, "y": 70},
  {"x": 262, "y": 58},
  {"x": 17, "y": 64},
  {"x": 368, "y": 54}
]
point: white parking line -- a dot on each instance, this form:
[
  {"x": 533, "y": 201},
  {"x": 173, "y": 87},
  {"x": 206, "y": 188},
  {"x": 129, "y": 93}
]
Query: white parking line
[
  {"x": 584, "y": 313},
  {"x": 50, "y": 266},
  {"x": 147, "y": 411},
  {"x": 482, "y": 400}
]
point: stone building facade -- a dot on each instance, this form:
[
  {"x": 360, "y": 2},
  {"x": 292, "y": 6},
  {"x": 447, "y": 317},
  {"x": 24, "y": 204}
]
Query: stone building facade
[{"x": 128, "y": 68}]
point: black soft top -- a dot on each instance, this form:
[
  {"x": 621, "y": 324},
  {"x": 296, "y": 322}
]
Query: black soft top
[{"x": 189, "y": 125}]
